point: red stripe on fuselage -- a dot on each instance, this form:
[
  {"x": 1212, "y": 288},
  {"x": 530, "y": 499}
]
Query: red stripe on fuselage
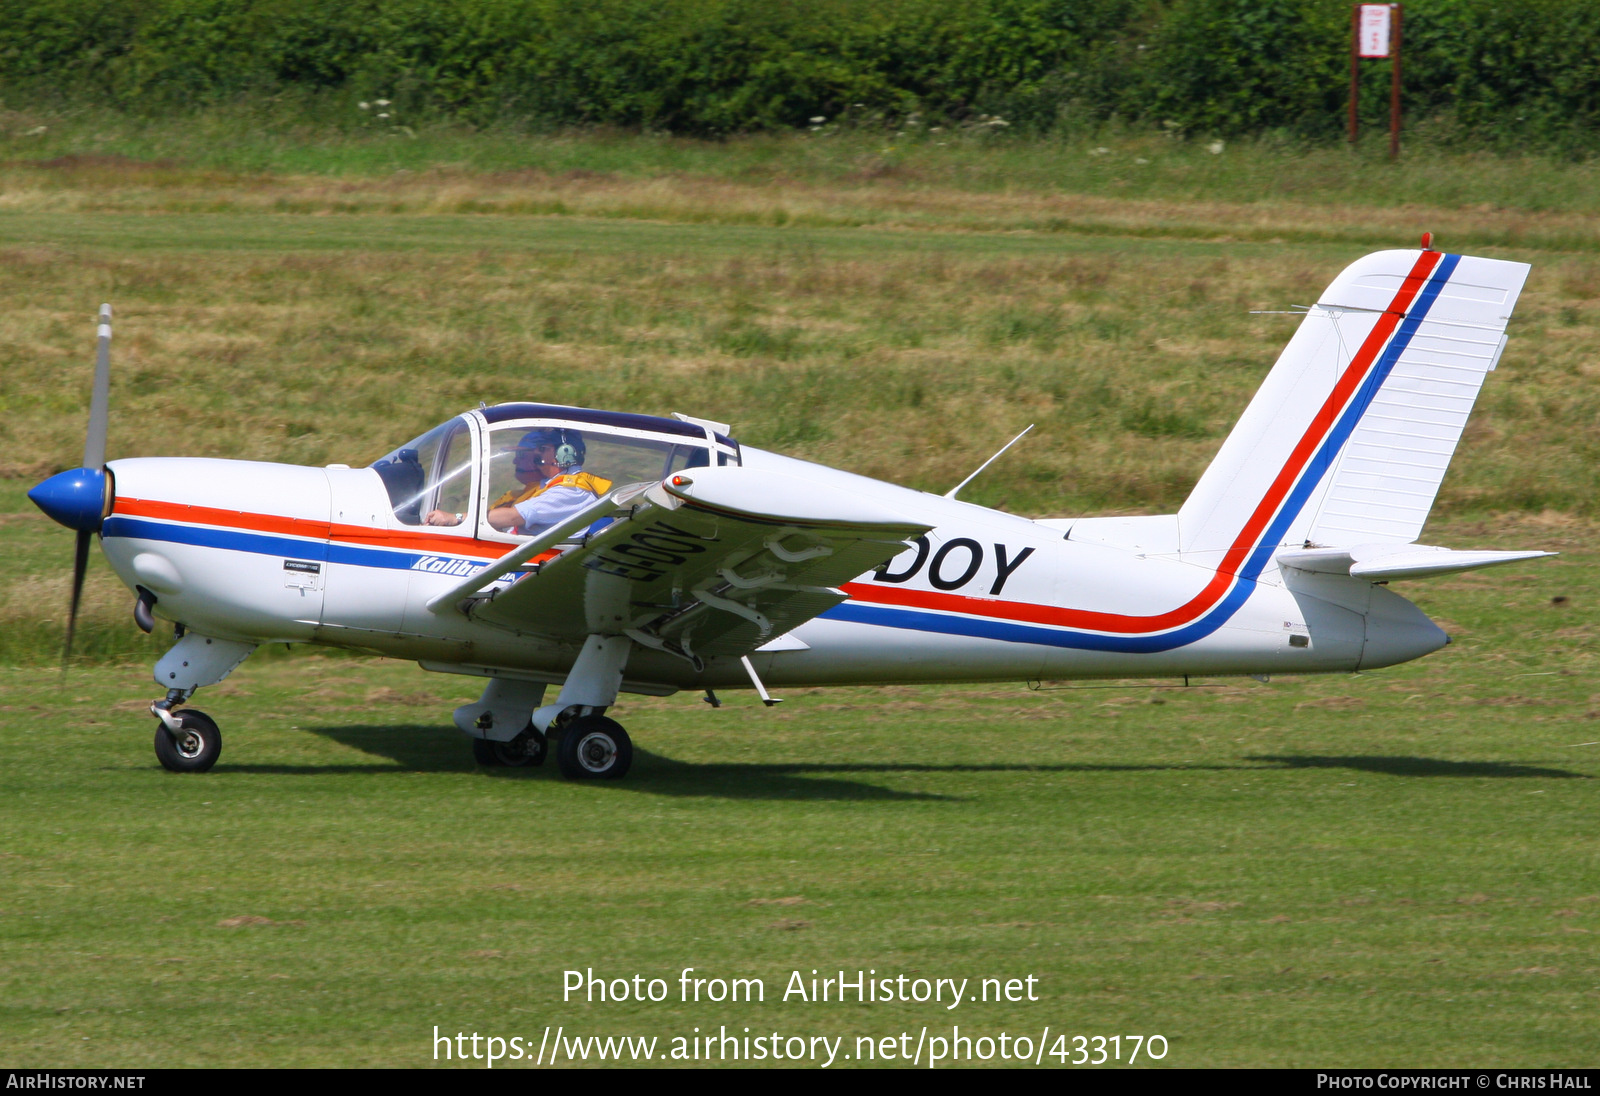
[
  {"x": 1355, "y": 373},
  {"x": 442, "y": 544}
]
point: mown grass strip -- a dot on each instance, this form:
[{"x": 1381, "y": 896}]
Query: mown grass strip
[{"x": 1384, "y": 870}]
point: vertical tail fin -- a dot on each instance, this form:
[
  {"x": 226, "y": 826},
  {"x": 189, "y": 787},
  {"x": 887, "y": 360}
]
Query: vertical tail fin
[{"x": 1348, "y": 438}]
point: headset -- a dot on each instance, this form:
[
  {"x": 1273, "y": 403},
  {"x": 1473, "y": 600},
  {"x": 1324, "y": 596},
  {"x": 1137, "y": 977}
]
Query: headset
[{"x": 568, "y": 444}]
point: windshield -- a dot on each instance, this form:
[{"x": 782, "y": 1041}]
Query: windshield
[{"x": 434, "y": 472}]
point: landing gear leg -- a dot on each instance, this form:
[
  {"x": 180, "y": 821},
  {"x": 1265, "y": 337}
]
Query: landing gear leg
[
  {"x": 592, "y": 747},
  {"x": 501, "y": 724},
  {"x": 188, "y": 741}
]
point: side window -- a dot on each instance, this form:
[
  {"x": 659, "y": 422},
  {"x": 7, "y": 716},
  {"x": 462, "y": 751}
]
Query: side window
[
  {"x": 630, "y": 460},
  {"x": 500, "y": 473},
  {"x": 614, "y": 458},
  {"x": 524, "y": 457},
  {"x": 688, "y": 456}
]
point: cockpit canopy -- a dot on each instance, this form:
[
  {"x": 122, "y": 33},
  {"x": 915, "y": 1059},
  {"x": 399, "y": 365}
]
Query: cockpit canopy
[{"x": 468, "y": 465}]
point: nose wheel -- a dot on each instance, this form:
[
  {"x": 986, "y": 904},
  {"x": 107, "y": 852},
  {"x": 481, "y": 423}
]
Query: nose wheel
[
  {"x": 192, "y": 745},
  {"x": 594, "y": 748}
]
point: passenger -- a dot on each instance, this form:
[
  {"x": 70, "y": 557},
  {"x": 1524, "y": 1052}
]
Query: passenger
[{"x": 549, "y": 465}]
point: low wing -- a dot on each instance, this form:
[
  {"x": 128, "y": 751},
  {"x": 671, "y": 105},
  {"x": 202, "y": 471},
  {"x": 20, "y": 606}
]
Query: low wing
[{"x": 714, "y": 562}]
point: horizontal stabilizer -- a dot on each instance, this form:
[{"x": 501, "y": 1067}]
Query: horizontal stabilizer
[{"x": 1385, "y": 562}]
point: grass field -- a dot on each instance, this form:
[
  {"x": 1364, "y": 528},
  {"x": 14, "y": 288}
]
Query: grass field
[{"x": 1398, "y": 868}]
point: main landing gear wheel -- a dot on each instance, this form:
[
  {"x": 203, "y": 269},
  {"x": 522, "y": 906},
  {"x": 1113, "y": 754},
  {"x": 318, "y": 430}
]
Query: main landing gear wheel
[
  {"x": 594, "y": 748},
  {"x": 196, "y": 746},
  {"x": 528, "y": 748}
]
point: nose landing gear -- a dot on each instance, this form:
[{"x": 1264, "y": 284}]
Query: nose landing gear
[{"x": 187, "y": 741}]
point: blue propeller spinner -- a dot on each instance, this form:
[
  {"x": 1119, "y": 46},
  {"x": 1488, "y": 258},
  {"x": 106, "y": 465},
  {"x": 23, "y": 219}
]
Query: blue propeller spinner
[{"x": 76, "y": 499}]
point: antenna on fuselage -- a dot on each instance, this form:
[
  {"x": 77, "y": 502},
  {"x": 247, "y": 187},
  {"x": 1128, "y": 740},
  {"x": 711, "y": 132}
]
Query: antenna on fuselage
[{"x": 950, "y": 494}]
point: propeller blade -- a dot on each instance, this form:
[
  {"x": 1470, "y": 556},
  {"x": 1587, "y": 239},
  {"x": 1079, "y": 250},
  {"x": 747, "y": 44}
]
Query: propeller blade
[
  {"x": 80, "y": 566},
  {"x": 67, "y": 497},
  {"x": 94, "y": 446}
]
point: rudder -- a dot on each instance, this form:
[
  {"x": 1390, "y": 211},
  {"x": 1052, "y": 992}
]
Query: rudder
[{"x": 1349, "y": 436}]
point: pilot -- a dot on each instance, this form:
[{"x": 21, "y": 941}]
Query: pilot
[{"x": 549, "y": 465}]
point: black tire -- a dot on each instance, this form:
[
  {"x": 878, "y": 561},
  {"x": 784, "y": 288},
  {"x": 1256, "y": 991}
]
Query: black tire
[
  {"x": 594, "y": 748},
  {"x": 195, "y": 749},
  {"x": 528, "y": 748}
]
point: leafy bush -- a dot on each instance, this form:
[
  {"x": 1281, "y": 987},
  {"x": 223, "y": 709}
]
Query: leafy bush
[{"x": 1487, "y": 71}]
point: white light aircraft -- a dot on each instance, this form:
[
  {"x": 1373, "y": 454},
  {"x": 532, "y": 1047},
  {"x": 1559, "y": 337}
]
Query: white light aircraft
[{"x": 696, "y": 563}]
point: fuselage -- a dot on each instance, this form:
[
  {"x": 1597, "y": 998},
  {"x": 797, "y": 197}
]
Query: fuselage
[{"x": 279, "y": 553}]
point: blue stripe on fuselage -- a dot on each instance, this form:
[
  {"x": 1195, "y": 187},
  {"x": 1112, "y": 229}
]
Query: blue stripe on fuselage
[{"x": 261, "y": 543}]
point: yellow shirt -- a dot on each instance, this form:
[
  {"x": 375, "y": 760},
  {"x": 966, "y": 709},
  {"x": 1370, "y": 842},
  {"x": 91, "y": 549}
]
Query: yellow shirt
[{"x": 595, "y": 485}]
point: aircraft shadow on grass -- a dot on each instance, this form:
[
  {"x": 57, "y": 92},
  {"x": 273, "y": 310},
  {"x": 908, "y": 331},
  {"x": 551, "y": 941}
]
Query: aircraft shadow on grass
[
  {"x": 429, "y": 749},
  {"x": 418, "y": 748},
  {"x": 1414, "y": 766}
]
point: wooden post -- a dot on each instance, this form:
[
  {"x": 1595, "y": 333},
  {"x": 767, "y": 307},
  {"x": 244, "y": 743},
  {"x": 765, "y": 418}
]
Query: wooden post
[
  {"x": 1394, "y": 85},
  {"x": 1355, "y": 65}
]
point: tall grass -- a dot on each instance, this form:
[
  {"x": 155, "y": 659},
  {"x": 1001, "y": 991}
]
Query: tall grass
[{"x": 247, "y": 156}]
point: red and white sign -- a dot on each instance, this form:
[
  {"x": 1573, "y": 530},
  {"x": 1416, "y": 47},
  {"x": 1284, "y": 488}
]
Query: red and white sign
[{"x": 1372, "y": 36}]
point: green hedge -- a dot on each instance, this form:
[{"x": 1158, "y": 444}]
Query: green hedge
[{"x": 1489, "y": 71}]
